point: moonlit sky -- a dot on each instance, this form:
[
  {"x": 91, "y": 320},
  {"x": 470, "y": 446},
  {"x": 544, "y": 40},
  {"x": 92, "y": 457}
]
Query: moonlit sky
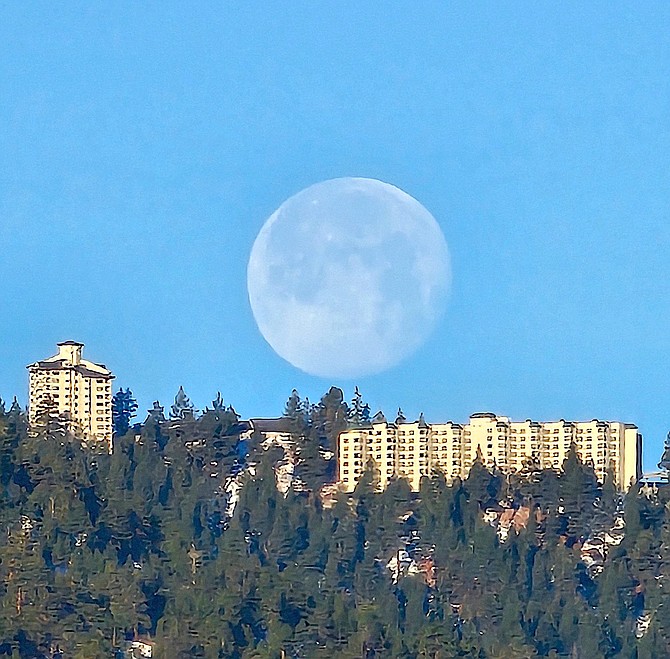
[{"x": 142, "y": 146}]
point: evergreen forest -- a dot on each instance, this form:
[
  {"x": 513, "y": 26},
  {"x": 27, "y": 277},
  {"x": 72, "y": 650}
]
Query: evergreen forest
[{"x": 180, "y": 538}]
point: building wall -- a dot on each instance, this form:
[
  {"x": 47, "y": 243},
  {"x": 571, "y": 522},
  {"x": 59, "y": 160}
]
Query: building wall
[
  {"x": 414, "y": 449},
  {"x": 447, "y": 448},
  {"x": 357, "y": 446},
  {"x": 81, "y": 391},
  {"x": 413, "y": 452}
]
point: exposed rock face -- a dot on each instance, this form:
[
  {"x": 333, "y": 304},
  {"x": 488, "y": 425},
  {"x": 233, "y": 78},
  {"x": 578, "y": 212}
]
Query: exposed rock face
[{"x": 505, "y": 519}]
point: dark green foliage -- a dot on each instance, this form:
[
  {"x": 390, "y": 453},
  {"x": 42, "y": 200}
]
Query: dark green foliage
[
  {"x": 182, "y": 408},
  {"x": 359, "y": 412},
  {"x": 664, "y": 463},
  {"x": 124, "y": 407},
  {"x": 98, "y": 549}
]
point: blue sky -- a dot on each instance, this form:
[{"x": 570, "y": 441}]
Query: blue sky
[{"x": 142, "y": 148}]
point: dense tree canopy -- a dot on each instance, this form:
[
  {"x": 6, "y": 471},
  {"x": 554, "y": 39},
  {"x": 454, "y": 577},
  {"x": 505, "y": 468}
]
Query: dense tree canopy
[{"x": 181, "y": 537}]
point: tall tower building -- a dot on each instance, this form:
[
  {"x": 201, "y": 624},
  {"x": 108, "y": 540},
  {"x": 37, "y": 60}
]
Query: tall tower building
[{"x": 80, "y": 390}]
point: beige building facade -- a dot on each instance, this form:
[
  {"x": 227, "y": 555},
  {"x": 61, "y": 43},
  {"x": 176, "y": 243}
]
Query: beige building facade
[
  {"x": 415, "y": 449},
  {"x": 80, "y": 390}
]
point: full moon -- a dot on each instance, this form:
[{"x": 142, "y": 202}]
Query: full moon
[{"x": 348, "y": 277}]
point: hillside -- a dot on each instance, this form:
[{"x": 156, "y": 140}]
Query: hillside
[{"x": 182, "y": 540}]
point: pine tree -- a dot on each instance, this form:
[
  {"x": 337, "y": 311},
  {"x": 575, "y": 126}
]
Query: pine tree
[
  {"x": 153, "y": 427},
  {"x": 50, "y": 424},
  {"x": 124, "y": 407},
  {"x": 578, "y": 493},
  {"x": 295, "y": 412},
  {"x": 183, "y": 408},
  {"x": 482, "y": 485},
  {"x": 359, "y": 412},
  {"x": 155, "y": 414},
  {"x": 329, "y": 418},
  {"x": 664, "y": 463}
]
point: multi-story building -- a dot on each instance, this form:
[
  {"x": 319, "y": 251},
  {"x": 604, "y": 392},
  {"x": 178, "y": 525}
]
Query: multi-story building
[
  {"x": 78, "y": 389},
  {"x": 414, "y": 449}
]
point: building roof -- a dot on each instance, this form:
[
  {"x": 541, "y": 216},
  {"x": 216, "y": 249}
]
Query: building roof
[
  {"x": 238, "y": 428},
  {"x": 279, "y": 424},
  {"x": 86, "y": 368},
  {"x": 99, "y": 372},
  {"x": 500, "y": 421},
  {"x": 379, "y": 417}
]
